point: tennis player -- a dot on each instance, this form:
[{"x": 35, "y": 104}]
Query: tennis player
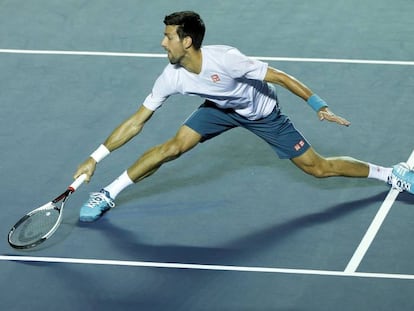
[{"x": 238, "y": 92}]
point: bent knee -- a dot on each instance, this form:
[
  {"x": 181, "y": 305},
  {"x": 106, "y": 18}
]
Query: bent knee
[
  {"x": 313, "y": 170},
  {"x": 318, "y": 169},
  {"x": 172, "y": 149},
  {"x": 318, "y": 172},
  {"x": 315, "y": 165}
]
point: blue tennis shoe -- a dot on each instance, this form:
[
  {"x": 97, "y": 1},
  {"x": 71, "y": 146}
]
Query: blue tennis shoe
[
  {"x": 96, "y": 206},
  {"x": 402, "y": 178}
]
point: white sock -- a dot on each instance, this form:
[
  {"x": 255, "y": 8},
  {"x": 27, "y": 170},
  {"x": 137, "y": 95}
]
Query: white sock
[
  {"x": 118, "y": 185},
  {"x": 379, "y": 172}
]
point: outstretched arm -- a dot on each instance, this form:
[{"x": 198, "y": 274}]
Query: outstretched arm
[
  {"x": 298, "y": 88},
  {"x": 128, "y": 129}
]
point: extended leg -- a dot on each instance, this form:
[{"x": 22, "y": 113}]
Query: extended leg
[
  {"x": 151, "y": 160},
  {"x": 318, "y": 166},
  {"x": 146, "y": 165}
]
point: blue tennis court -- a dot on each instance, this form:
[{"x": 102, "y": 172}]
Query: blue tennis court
[{"x": 228, "y": 226}]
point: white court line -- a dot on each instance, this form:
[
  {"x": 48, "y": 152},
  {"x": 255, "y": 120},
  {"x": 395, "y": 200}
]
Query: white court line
[
  {"x": 336, "y": 60},
  {"x": 82, "y": 53},
  {"x": 147, "y": 264},
  {"x": 264, "y": 58},
  {"x": 375, "y": 226}
]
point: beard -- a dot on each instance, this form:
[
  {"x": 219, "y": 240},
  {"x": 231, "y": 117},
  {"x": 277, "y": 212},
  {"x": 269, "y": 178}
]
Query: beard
[{"x": 174, "y": 60}]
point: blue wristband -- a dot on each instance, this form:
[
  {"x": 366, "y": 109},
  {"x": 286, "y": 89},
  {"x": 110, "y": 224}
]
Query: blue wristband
[{"x": 316, "y": 102}]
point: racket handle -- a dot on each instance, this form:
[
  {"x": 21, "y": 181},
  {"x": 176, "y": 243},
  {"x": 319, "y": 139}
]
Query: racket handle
[{"x": 78, "y": 181}]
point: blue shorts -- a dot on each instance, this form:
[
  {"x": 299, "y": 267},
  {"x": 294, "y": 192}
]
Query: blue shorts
[{"x": 276, "y": 129}]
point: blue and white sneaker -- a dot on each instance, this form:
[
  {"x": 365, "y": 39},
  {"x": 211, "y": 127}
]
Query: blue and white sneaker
[
  {"x": 96, "y": 206},
  {"x": 402, "y": 178}
]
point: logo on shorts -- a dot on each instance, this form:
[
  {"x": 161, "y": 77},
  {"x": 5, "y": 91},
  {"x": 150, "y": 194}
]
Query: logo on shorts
[
  {"x": 299, "y": 145},
  {"x": 215, "y": 78}
]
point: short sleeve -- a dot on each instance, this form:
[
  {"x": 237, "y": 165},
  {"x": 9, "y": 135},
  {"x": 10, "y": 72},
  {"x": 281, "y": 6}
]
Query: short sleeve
[
  {"x": 162, "y": 89},
  {"x": 239, "y": 65}
]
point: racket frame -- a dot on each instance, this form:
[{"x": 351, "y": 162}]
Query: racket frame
[{"x": 62, "y": 197}]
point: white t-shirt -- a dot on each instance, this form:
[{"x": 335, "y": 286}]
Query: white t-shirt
[{"x": 227, "y": 78}]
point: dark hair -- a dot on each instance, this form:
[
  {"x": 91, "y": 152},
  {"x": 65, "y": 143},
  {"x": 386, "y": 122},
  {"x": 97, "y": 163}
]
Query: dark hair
[{"x": 189, "y": 24}]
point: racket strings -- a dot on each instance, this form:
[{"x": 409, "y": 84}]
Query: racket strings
[{"x": 35, "y": 227}]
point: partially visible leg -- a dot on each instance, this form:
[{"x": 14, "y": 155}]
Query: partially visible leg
[
  {"x": 152, "y": 159},
  {"x": 279, "y": 132},
  {"x": 316, "y": 165},
  {"x": 185, "y": 139}
]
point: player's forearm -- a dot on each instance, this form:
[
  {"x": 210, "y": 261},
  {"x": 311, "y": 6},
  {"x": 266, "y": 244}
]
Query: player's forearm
[
  {"x": 128, "y": 129},
  {"x": 122, "y": 134},
  {"x": 290, "y": 83},
  {"x": 119, "y": 137},
  {"x": 297, "y": 88}
]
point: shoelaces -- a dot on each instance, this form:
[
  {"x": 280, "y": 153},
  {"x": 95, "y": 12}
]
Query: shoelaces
[{"x": 96, "y": 199}]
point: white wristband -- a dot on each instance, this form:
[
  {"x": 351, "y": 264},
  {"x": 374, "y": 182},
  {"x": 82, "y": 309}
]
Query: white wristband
[{"x": 100, "y": 153}]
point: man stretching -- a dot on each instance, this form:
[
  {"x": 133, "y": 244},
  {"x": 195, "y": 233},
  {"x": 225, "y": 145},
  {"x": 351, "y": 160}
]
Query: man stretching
[{"x": 237, "y": 92}]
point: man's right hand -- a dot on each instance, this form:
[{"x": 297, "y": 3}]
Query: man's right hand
[{"x": 88, "y": 167}]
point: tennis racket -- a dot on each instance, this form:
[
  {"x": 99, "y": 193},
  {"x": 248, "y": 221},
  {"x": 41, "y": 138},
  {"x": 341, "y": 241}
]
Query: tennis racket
[{"x": 38, "y": 225}]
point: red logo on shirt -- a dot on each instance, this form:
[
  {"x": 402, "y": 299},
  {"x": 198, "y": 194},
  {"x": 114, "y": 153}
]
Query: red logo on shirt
[{"x": 215, "y": 78}]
